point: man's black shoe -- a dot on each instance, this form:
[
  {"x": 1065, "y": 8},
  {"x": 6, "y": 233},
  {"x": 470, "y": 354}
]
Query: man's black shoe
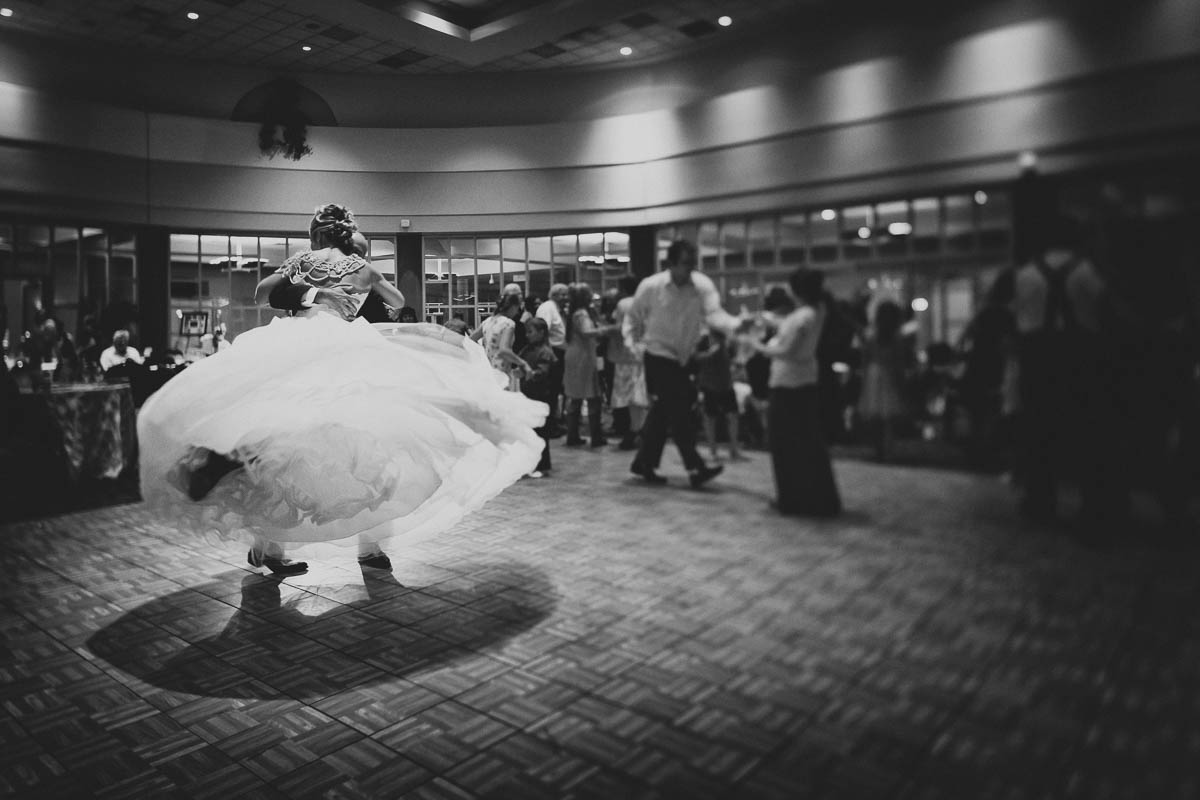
[
  {"x": 699, "y": 477},
  {"x": 280, "y": 566},
  {"x": 646, "y": 474},
  {"x": 285, "y": 566},
  {"x": 375, "y": 561}
]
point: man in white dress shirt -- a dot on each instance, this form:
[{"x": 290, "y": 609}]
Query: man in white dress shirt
[{"x": 665, "y": 323}]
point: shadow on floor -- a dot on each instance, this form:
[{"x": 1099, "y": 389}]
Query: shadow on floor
[{"x": 284, "y": 641}]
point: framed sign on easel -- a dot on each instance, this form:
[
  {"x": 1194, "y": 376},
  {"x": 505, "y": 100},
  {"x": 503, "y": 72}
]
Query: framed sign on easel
[{"x": 193, "y": 325}]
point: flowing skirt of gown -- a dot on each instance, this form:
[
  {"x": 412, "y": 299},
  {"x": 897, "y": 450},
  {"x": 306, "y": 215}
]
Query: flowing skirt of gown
[{"x": 347, "y": 432}]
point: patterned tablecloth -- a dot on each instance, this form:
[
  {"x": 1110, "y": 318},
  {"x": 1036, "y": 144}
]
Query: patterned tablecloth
[{"x": 98, "y": 427}]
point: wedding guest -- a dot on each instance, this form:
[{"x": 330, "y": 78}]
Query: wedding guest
[
  {"x": 887, "y": 360},
  {"x": 497, "y": 333},
  {"x": 458, "y": 325},
  {"x": 551, "y": 311},
  {"x": 536, "y": 381},
  {"x": 629, "y": 398},
  {"x": 665, "y": 321},
  {"x": 50, "y": 344},
  {"x": 1067, "y": 410},
  {"x": 515, "y": 291},
  {"x": 120, "y": 353},
  {"x": 581, "y": 379},
  {"x": 804, "y": 482},
  {"x": 714, "y": 377}
]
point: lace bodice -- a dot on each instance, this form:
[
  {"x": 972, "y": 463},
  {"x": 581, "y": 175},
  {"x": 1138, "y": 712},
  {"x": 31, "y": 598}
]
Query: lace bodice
[
  {"x": 308, "y": 268},
  {"x": 323, "y": 273}
]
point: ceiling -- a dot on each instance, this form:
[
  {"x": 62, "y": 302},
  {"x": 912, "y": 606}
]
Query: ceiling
[{"x": 411, "y": 37}]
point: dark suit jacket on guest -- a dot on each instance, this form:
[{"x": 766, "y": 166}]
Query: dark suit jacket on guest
[{"x": 290, "y": 296}]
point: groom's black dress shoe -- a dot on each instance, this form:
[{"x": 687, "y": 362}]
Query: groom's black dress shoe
[
  {"x": 279, "y": 566},
  {"x": 647, "y": 474},
  {"x": 376, "y": 561},
  {"x": 701, "y": 476}
]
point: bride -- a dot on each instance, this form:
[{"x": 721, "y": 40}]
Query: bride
[{"x": 318, "y": 429}]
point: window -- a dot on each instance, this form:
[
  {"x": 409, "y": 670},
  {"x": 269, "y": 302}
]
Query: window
[
  {"x": 927, "y": 225},
  {"x": 760, "y": 240},
  {"x": 959, "y": 211},
  {"x": 591, "y": 264},
  {"x": 488, "y": 278},
  {"x": 539, "y": 267},
  {"x": 893, "y": 228},
  {"x": 793, "y": 239},
  {"x": 824, "y": 235},
  {"x": 708, "y": 242}
]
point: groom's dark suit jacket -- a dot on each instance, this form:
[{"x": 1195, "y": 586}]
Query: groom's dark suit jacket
[{"x": 290, "y": 296}]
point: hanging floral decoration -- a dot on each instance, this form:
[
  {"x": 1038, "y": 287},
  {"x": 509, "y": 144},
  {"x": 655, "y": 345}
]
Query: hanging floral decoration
[
  {"x": 284, "y": 110},
  {"x": 288, "y": 139},
  {"x": 284, "y": 129}
]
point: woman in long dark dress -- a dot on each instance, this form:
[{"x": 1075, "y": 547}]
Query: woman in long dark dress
[{"x": 804, "y": 481}]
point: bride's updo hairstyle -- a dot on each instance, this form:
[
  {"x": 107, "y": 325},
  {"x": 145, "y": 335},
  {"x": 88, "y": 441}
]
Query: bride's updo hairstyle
[{"x": 332, "y": 226}]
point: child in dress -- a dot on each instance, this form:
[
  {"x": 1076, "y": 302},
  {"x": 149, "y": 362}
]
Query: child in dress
[
  {"x": 715, "y": 380},
  {"x": 536, "y": 383}
]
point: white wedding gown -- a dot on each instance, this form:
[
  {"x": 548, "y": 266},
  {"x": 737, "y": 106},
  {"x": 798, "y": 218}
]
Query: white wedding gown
[{"x": 348, "y": 432}]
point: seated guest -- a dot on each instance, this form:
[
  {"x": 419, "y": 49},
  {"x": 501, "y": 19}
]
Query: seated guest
[
  {"x": 50, "y": 351},
  {"x": 120, "y": 354},
  {"x": 458, "y": 325}
]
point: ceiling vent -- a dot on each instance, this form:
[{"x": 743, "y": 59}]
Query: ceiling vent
[
  {"x": 588, "y": 35},
  {"x": 338, "y": 34},
  {"x": 640, "y": 20},
  {"x": 547, "y": 50},
  {"x": 698, "y": 28},
  {"x": 402, "y": 59}
]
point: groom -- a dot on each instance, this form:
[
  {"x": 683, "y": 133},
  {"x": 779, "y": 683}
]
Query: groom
[{"x": 299, "y": 296}]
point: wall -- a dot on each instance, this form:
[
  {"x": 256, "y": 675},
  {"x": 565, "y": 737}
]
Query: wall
[{"x": 902, "y": 110}]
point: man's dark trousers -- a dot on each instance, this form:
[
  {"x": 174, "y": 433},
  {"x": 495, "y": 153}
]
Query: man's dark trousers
[{"x": 671, "y": 398}]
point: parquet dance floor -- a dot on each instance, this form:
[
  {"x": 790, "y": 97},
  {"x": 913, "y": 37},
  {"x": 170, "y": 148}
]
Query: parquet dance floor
[{"x": 587, "y": 636}]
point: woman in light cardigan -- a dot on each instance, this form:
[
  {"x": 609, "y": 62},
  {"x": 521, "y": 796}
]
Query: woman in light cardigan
[{"x": 804, "y": 482}]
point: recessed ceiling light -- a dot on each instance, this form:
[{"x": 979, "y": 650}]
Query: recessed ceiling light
[
  {"x": 193, "y": 15},
  {"x": 864, "y": 232},
  {"x": 306, "y": 47},
  {"x": 981, "y": 197},
  {"x": 829, "y": 215},
  {"x": 5, "y": 12},
  {"x": 725, "y": 21},
  {"x": 627, "y": 51}
]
